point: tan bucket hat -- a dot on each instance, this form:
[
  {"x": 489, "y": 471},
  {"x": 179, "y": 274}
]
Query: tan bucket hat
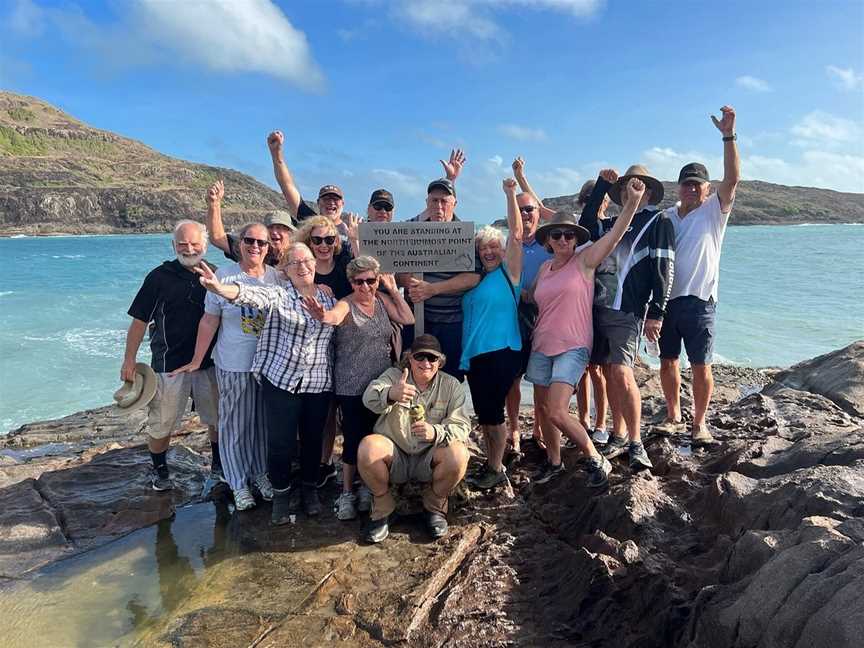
[
  {"x": 652, "y": 184},
  {"x": 138, "y": 393}
]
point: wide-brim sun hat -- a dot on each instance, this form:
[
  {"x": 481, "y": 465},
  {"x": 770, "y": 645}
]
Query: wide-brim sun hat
[
  {"x": 138, "y": 393},
  {"x": 564, "y": 221},
  {"x": 652, "y": 184}
]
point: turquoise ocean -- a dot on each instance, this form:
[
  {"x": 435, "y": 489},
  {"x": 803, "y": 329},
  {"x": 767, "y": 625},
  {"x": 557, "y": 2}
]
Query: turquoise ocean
[{"x": 786, "y": 294}]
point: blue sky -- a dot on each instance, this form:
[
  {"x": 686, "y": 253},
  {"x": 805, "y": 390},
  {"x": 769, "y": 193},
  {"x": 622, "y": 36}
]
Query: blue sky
[{"x": 372, "y": 93}]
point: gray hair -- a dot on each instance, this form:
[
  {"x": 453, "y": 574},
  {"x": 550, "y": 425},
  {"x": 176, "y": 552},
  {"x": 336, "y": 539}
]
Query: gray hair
[
  {"x": 486, "y": 234},
  {"x": 201, "y": 227},
  {"x": 362, "y": 264},
  {"x": 245, "y": 229},
  {"x": 294, "y": 247}
]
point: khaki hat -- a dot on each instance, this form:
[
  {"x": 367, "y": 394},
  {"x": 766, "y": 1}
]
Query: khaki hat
[
  {"x": 652, "y": 184},
  {"x": 138, "y": 393},
  {"x": 279, "y": 217},
  {"x": 562, "y": 221}
]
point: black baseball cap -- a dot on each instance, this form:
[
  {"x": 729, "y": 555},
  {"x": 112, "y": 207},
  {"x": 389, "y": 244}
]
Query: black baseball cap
[
  {"x": 693, "y": 171},
  {"x": 443, "y": 184},
  {"x": 382, "y": 195}
]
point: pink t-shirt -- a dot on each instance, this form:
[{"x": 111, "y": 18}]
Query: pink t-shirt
[{"x": 564, "y": 298}]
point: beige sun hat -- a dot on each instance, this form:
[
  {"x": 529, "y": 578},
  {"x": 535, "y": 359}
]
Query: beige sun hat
[
  {"x": 652, "y": 184},
  {"x": 139, "y": 392}
]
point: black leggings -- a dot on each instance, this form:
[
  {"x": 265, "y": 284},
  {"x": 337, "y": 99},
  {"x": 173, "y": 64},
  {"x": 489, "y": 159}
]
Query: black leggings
[
  {"x": 357, "y": 422},
  {"x": 490, "y": 377},
  {"x": 287, "y": 415}
]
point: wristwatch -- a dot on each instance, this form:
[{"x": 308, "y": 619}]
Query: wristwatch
[{"x": 730, "y": 138}]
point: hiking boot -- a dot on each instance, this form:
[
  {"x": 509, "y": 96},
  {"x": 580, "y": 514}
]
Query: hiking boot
[
  {"x": 346, "y": 506},
  {"x": 284, "y": 505},
  {"x": 161, "y": 480},
  {"x": 364, "y": 499},
  {"x": 490, "y": 479},
  {"x": 616, "y": 446},
  {"x": 639, "y": 458},
  {"x": 243, "y": 499},
  {"x": 548, "y": 472},
  {"x": 377, "y": 530},
  {"x": 436, "y": 523},
  {"x": 326, "y": 472},
  {"x": 598, "y": 471},
  {"x": 700, "y": 436},
  {"x": 311, "y": 503},
  {"x": 668, "y": 427},
  {"x": 600, "y": 437},
  {"x": 263, "y": 486}
]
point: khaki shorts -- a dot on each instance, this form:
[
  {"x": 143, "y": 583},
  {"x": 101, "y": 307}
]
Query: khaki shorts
[
  {"x": 411, "y": 467},
  {"x": 172, "y": 397}
]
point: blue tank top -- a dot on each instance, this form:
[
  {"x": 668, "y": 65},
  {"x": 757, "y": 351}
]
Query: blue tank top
[{"x": 490, "y": 322}]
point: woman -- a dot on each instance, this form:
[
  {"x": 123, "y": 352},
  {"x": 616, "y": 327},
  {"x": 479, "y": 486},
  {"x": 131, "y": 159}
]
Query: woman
[
  {"x": 294, "y": 362},
  {"x": 563, "y": 336},
  {"x": 490, "y": 334},
  {"x": 362, "y": 354},
  {"x": 242, "y": 435}
]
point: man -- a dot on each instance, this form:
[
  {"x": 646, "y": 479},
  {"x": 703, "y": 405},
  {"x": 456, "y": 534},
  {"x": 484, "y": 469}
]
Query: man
[
  {"x": 637, "y": 275},
  {"x": 171, "y": 302},
  {"x": 279, "y": 228},
  {"x": 700, "y": 220},
  {"x": 419, "y": 436},
  {"x": 441, "y": 291},
  {"x": 381, "y": 206}
]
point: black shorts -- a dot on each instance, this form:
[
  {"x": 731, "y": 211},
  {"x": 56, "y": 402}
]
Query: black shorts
[
  {"x": 692, "y": 320},
  {"x": 616, "y": 337},
  {"x": 357, "y": 422},
  {"x": 490, "y": 377}
]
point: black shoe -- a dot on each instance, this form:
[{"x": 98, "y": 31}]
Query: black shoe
[
  {"x": 326, "y": 472},
  {"x": 161, "y": 480},
  {"x": 311, "y": 503},
  {"x": 549, "y": 472},
  {"x": 639, "y": 458},
  {"x": 377, "y": 530},
  {"x": 284, "y": 505},
  {"x": 489, "y": 479},
  {"x": 436, "y": 523},
  {"x": 598, "y": 471}
]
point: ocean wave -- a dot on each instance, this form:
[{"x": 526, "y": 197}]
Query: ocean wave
[
  {"x": 105, "y": 343},
  {"x": 67, "y": 256},
  {"x": 3, "y": 293},
  {"x": 19, "y": 236}
]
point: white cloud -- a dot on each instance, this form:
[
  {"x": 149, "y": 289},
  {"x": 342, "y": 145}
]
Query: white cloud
[
  {"x": 399, "y": 182},
  {"x": 819, "y": 126},
  {"x": 497, "y": 160},
  {"x": 666, "y": 163},
  {"x": 845, "y": 78},
  {"x": 26, "y": 18},
  {"x": 556, "y": 182},
  {"x": 752, "y": 83},
  {"x": 523, "y": 133}
]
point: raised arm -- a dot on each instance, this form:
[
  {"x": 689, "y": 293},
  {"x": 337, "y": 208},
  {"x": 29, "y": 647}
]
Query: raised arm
[
  {"x": 519, "y": 173},
  {"x": 591, "y": 210},
  {"x": 420, "y": 290},
  {"x": 397, "y": 308},
  {"x": 731, "y": 162},
  {"x": 513, "y": 253},
  {"x": 594, "y": 255},
  {"x": 207, "y": 328},
  {"x": 215, "y": 227},
  {"x": 453, "y": 167},
  {"x": 275, "y": 140}
]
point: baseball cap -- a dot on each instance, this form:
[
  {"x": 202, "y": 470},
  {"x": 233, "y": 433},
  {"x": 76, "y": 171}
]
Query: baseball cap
[
  {"x": 330, "y": 189},
  {"x": 443, "y": 184},
  {"x": 693, "y": 171},
  {"x": 426, "y": 343},
  {"x": 279, "y": 217},
  {"x": 382, "y": 195}
]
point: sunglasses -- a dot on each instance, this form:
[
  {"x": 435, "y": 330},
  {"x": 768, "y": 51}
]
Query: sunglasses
[
  {"x": 382, "y": 206},
  {"x": 369, "y": 281},
  {"x": 568, "y": 235},
  {"x": 318, "y": 240},
  {"x": 307, "y": 262},
  {"x": 527, "y": 209},
  {"x": 427, "y": 357},
  {"x": 250, "y": 241}
]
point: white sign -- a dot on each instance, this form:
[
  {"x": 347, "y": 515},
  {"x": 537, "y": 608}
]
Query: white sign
[{"x": 420, "y": 247}]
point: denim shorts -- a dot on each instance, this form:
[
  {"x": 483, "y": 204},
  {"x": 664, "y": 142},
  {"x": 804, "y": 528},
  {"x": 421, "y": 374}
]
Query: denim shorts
[{"x": 566, "y": 367}]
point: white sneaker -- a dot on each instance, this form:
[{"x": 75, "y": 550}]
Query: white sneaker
[
  {"x": 346, "y": 506},
  {"x": 364, "y": 499},
  {"x": 243, "y": 499},
  {"x": 600, "y": 436},
  {"x": 262, "y": 483}
]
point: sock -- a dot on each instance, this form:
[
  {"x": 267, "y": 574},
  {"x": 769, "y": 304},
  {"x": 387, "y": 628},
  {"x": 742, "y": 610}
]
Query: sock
[
  {"x": 159, "y": 460},
  {"x": 216, "y": 460}
]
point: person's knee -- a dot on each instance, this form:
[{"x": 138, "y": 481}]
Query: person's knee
[
  {"x": 559, "y": 417},
  {"x": 702, "y": 371},
  {"x": 669, "y": 364},
  {"x": 373, "y": 448}
]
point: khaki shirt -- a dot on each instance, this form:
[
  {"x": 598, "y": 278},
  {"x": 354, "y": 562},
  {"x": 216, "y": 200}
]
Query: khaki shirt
[{"x": 444, "y": 401}]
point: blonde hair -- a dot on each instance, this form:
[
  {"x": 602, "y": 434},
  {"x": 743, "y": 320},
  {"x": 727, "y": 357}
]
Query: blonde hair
[{"x": 304, "y": 234}]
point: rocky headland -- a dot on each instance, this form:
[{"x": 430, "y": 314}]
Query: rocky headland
[{"x": 758, "y": 541}]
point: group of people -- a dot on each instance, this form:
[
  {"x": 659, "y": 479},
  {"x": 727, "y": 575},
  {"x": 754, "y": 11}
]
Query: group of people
[{"x": 302, "y": 337}]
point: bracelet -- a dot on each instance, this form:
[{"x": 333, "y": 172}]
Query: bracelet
[{"x": 731, "y": 138}]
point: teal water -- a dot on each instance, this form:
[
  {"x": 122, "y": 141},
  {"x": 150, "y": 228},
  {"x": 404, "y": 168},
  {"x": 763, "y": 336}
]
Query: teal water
[{"x": 786, "y": 294}]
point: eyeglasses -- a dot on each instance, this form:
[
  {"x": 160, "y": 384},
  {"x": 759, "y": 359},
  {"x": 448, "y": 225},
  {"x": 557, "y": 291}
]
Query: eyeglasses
[
  {"x": 382, "y": 206},
  {"x": 369, "y": 281},
  {"x": 527, "y": 209},
  {"x": 318, "y": 240},
  {"x": 425, "y": 357},
  {"x": 309, "y": 263},
  {"x": 568, "y": 235},
  {"x": 250, "y": 241}
]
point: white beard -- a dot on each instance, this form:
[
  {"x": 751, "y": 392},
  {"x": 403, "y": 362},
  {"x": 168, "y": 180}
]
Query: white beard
[{"x": 190, "y": 262}]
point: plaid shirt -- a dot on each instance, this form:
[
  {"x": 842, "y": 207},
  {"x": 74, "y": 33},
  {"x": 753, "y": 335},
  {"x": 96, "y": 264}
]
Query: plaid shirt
[{"x": 294, "y": 351}]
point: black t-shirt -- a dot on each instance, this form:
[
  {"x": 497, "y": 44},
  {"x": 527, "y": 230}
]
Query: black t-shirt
[
  {"x": 171, "y": 301},
  {"x": 337, "y": 279}
]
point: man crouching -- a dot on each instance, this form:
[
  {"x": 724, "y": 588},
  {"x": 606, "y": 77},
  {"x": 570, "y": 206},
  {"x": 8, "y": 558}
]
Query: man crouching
[{"x": 420, "y": 436}]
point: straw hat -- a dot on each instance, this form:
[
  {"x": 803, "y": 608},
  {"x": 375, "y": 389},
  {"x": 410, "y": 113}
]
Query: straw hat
[
  {"x": 652, "y": 184},
  {"x": 138, "y": 393},
  {"x": 562, "y": 221}
]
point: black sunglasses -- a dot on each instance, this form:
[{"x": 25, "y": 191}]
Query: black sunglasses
[
  {"x": 382, "y": 206},
  {"x": 369, "y": 281},
  {"x": 527, "y": 209},
  {"x": 568, "y": 235},
  {"x": 318, "y": 240},
  {"x": 428, "y": 357},
  {"x": 250, "y": 241}
]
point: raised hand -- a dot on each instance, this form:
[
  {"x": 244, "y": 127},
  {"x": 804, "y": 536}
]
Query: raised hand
[
  {"x": 609, "y": 175},
  {"x": 635, "y": 189},
  {"x": 388, "y": 281},
  {"x": 216, "y": 192},
  {"x": 402, "y": 392},
  {"x": 518, "y": 166},
  {"x": 509, "y": 185},
  {"x": 275, "y": 140},
  {"x": 207, "y": 278},
  {"x": 453, "y": 167},
  {"x": 419, "y": 290},
  {"x": 726, "y": 124},
  {"x": 314, "y": 307},
  {"x": 352, "y": 224}
]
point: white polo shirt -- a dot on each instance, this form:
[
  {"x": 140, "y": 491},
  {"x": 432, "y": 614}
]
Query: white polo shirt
[{"x": 698, "y": 240}]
